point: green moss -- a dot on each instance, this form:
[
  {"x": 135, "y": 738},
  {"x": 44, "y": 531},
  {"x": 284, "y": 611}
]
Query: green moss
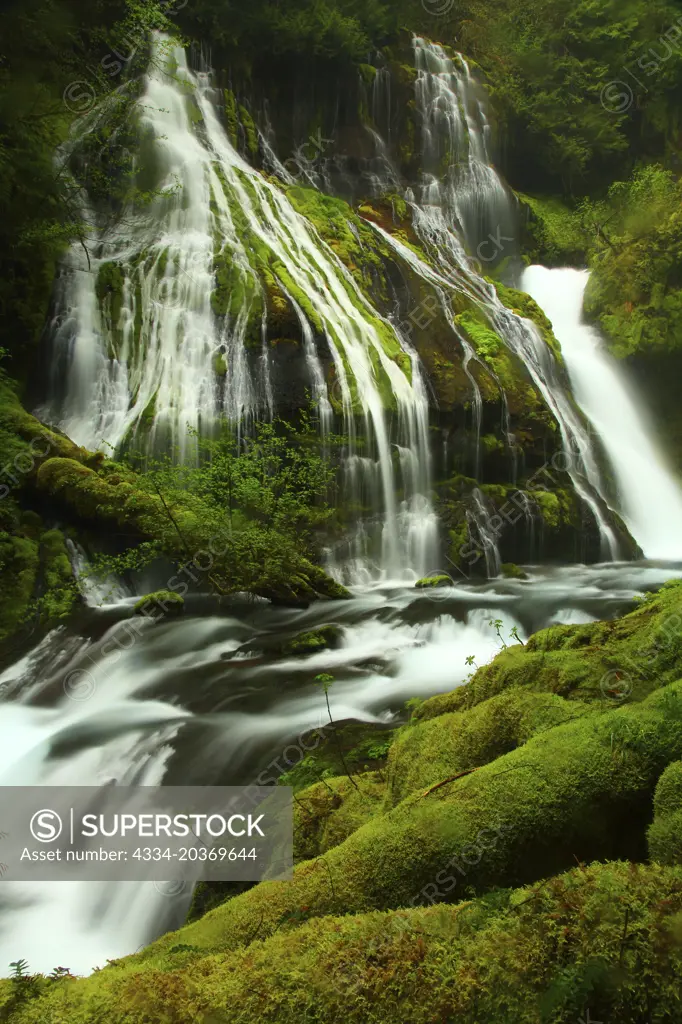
[
  {"x": 250, "y": 131},
  {"x": 235, "y": 289},
  {"x": 59, "y": 589},
  {"x": 430, "y": 751},
  {"x": 319, "y": 639},
  {"x": 525, "y": 306},
  {"x": 161, "y": 602},
  {"x": 487, "y": 343},
  {"x": 554, "y": 234},
  {"x": 502, "y": 959},
  {"x": 549, "y": 505},
  {"x": 433, "y": 581},
  {"x": 149, "y": 412},
  {"x": 513, "y": 572},
  {"x": 597, "y": 661},
  {"x": 665, "y": 834},
  {"x": 19, "y": 566},
  {"x": 523, "y": 399},
  {"x": 578, "y": 790},
  {"x": 231, "y": 117},
  {"x": 368, "y": 72},
  {"x": 110, "y": 281},
  {"x": 327, "y": 813},
  {"x": 219, "y": 365}
]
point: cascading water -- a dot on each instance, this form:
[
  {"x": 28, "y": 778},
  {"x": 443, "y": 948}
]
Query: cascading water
[
  {"x": 457, "y": 174},
  {"x": 649, "y": 498},
  {"x": 206, "y": 700},
  {"x": 468, "y": 209},
  {"x": 142, "y": 338}
]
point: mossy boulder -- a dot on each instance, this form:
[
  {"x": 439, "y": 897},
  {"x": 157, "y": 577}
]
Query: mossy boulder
[
  {"x": 605, "y": 936},
  {"x": 438, "y": 580},
  {"x": 580, "y": 790},
  {"x": 329, "y": 812},
  {"x": 427, "y": 752},
  {"x": 513, "y": 572},
  {"x": 604, "y": 662},
  {"x": 319, "y": 639},
  {"x": 522, "y": 304},
  {"x": 665, "y": 834},
  {"x": 160, "y": 603}
]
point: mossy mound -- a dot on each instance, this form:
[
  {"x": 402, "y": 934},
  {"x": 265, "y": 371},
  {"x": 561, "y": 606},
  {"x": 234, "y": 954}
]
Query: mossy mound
[
  {"x": 329, "y": 812},
  {"x": 320, "y": 639},
  {"x": 581, "y": 790},
  {"x": 427, "y": 752},
  {"x": 605, "y": 937},
  {"x": 665, "y": 834},
  {"x": 433, "y": 581},
  {"x": 38, "y": 587},
  {"x": 513, "y": 572},
  {"x": 88, "y": 489},
  {"x": 162, "y": 602},
  {"x": 607, "y": 662}
]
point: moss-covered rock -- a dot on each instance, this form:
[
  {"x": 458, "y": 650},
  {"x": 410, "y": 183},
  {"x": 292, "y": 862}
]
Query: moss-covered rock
[
  {"x": 513, "y": 572},
  {"x": 314, "y": 640},
  {"x": 665, "y": 834},
  {"x": 437, "y": 580},
  {"x": 427, "y": 752},
  {"x": 160, "y": 603},
  {"x": 329, "y": 812},
  {"x": 607, "y": 662},
  {"x": 581, "y": 790},
  {"x": 525, "y": 306},
  {"x": 606, "y": 936}
]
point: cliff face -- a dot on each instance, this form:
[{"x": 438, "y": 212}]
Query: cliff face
[{"x": 335, "y": 117}]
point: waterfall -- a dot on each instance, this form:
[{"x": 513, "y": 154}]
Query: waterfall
[
  {"x": 457, "y": 174},
  {"x": 648, "y": 497},
  {"x": 463, "y": 207},
  {"x": 169, "y": 329}
]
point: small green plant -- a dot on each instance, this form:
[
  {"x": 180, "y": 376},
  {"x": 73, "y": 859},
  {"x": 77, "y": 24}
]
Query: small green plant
[
  {"x": 60, "y": 972},
  {"x": 413, "y": 704},
  {"x": 325, "y": 681},
  {"x": 19, "y": 970},
  {"x": 497, "y": 625}
]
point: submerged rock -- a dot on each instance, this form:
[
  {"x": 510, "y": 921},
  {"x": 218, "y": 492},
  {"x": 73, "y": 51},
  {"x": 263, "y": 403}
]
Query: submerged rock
[
  {"x": 319, "y": 639},
  {"x": 434, "y": 581}
]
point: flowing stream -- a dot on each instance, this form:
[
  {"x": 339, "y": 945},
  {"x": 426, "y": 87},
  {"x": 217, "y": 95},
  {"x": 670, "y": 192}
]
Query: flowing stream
[{"x": 211, "y": 698}]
